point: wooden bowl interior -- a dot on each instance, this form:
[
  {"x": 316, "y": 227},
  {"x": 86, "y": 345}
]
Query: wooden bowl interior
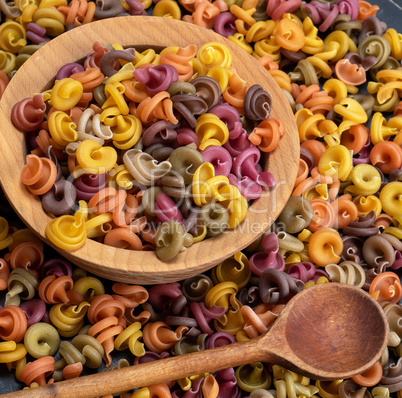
[{"x": 143, "y": 32}]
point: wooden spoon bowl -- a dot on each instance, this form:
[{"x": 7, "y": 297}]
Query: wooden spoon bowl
[{"x": 145, "y": 32}]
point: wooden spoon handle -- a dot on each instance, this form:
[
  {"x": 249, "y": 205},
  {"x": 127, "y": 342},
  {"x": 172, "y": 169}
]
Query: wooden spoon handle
[{"x": 150, "y": 373}]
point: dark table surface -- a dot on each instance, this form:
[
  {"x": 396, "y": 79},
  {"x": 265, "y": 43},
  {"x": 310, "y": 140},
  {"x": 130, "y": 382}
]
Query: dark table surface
[{"x": 390, "y": 12}]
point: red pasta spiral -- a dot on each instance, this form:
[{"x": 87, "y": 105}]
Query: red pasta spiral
[{"x": 29, "y": 113}]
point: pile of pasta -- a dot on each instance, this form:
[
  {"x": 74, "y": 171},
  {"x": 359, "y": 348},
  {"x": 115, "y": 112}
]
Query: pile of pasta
[
  {"x": 340, "y": 69},
  {"x": 160, "y": 159}
]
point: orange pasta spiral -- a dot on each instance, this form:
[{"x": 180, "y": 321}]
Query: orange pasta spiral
[
  {"x": 78, "y": 12},
  {"x": 387, "y": 156},
  {"x": 13, "y": 323},
  {"x": 131, "y": 296},
  {"x": 106, "y": 200},
  {"x": 345, "y": 211},
  {"x": 106, "y": 315},
  {"x": 258, "y": 321},
  {"x": 235, "y": 92},
  {"x": 39, "y": 174},
  {"x": 311, "y": 97},
  {"x": 160, "y": 106},
  {"x": 105, "y": 306},
  {"x": 181, "y": 60},
  {"x": 90, "y": 78},
  {"x": 267, "y": 134},
  {"x": 324, "y": 215},
  {"x": 205, "y": 14},
  {"x": 325, "y": 247},
  {"x": 104, "y": 331},
  {"x": 37, "y": 371},
  {"x": 54, "y": 290},
  {"x": 158, "y": 336}
]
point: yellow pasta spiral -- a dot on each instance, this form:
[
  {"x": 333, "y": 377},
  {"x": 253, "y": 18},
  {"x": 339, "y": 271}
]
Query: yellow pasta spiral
[
  {"x": 66, "y": 93},
  {"x": 215, "y": 54},
  {"x": 211, "y": 130},
  {"x": 12, "y": 36},
  {"x": 62, "y": 128},
  {"x": 127, "y": 131},
  {"x": 94, "y": 158}
]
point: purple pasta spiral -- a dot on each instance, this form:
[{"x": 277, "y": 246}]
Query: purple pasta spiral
[
  {"x": 208, "y": 89},
  {"x": 257, "y": 103},
  {"x": 366, "y": 63},
  {"x": 246, "y": 186},
  {"x": 166, "y": 209},
  {"x": 36, "y": 33},
  {"x": 303, "y": 271},
  {"x": 35, "y": 311},
  {"x": 308, "y": 157},
  {"x": 225, "y": 24},
  {"x": 235, "y": 146},
  {"x": 88, "y": 185},
  {"x": 276, "y": 286},
  {"x": 108, "y": 9},
  {"x": 187, "y": 106},
  {"x": 246, "y": 164},
  {"x": 157, "y": 78},
  {"x": 228, "y": 387},
  {"x": 159, "y": 151},
  {"x": 160, "y": 296},
  {"x": 270, "y": 258},
  {"x": 150, "y": 356},
  {"x": 190, "y": 222},
  {"x": 57, "y": 267},
  {"x": 249, "y": 296},
  {"x": 350, "y": 389},
  {"x": 60, "y": 199},
  {"x": 228, "y": 114},
  {"x": 186, "y": 136},
  {"x": 349, "y": 7},
  {"x": 29, "y": 113},
  {"x": 398, "y": 260},
  {"x": 322, "y": 14},
  {"x": 364, "y": 226},
  {"x": 107, "y": 62},
  {"x": 136, "y": 7},
  {"x": 50, "y": 155},
  {"x": 352, "y": 248},
  {"x": 204, "y": 315},
  {"x": 68, "y": 69},
  {"x": 395, "y": 175},
  {"x": 219, "y": 339},
  {"x": 160, "y": 132},
  {"x": 371, "y": 26},
  {"x": 220, "y": 159}
]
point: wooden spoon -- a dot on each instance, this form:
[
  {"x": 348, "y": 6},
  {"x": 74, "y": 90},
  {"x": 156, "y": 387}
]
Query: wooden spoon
[{"x": 328, "y": 331}]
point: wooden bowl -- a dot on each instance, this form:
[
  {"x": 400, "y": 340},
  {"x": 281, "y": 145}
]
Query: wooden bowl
[{"x": 125, "y": 265}]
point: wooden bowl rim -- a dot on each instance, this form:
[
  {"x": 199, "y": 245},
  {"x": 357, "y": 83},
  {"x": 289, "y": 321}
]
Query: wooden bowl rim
[{"x": 119, "y": 264}]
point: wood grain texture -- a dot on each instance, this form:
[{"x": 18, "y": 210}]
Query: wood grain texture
[
  {"x": 328, "y": 331},
  {"x": 124, "y": 265}
]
